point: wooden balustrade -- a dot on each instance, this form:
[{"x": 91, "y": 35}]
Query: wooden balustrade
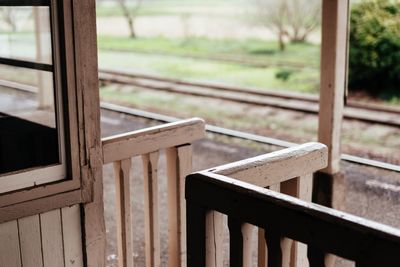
[
  {"x": 283, "y": 218},
  {"x": 176, "y": 139},
  {"x": 288, "y": 171}
]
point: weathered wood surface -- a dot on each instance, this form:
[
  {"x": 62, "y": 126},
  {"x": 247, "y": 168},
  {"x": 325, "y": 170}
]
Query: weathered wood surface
[
  {"x": 151, "y": 139},
  {"x": 278, "y": 166},
  {"x": 122, "y": 170},
  {"x": 53, "y": 238},
  {"x": 354, "y": 238},
  {"x": 151, "y": 214},
  {"x": 179, "y": 165},
  {"x": 279, "y": 170},
  {"x": 30, "y": 241},
  {"x": 87, "y": 84},
  {"x": 333, "y": 77}
]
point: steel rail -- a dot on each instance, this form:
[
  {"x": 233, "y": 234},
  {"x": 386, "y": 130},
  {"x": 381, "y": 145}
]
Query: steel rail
[
  {"x": 219, "y": 130},
  {"x": 360, "y": 114},
  {"x": 252, "y": 90},
  {"x": 242, "y": 135}
]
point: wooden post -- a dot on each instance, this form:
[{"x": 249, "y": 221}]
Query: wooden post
[
  {"x": 335, "y": 17},
  {"x": 124, "y": 221},
  {"x": 152, "y": 230},
  {"x": 179, "y": 164},
  {"x": 301, "y": 188},
  {"x": 335, "y": 20},
  {"x": 43, "y": 55},
  {"x": 262, "y": 259},
  {"x": 333, "y": 78}
]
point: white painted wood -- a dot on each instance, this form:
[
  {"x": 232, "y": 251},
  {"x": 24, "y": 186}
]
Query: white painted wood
[
  {"x": 52, "y": 238},
  {"x": 152, "y": 230},
  {"x": 151, "y": 139},
  {"x": 278, "y": 166},
  {"x": 262, "y": 246},
  {"x": 124, "y": 210},
  {"x": 214, "y": 239},
  {"x": 179, "y": 165},
  {"x": 13, "y": 181},
  {"x": 333, "y": 78},
  {"x": 9, "y": 245},
  {"x": 72, "y": 236},
  {"x": 30, "y": 241},
  {"x": 248, "y": 233}
]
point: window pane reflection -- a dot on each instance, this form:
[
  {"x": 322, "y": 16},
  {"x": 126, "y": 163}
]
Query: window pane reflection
[
  {"x": 25, "y": 33},
  {"x": 28, "y": 132}
]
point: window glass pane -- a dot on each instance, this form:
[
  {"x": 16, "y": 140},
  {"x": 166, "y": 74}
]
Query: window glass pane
[
  {"x": 28, "y": 128},
  {"x": 25, "y": 33}
]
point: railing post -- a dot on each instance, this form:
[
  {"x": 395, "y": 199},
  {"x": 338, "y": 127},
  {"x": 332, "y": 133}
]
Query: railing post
[
  {"x": 124, "y": 222},
  {"x": 179, "y": 164},
  {"x": 214, "y": 239},
  {"x": 300, "y": 187},
  {"x": 152, "y": 231}
]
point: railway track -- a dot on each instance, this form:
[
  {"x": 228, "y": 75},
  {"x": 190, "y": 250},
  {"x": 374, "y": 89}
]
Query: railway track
[
  {"x": 211, "y": 128},
  {"x": 372, "y": 113}
]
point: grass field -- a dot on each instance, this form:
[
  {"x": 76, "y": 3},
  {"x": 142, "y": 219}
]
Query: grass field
[{"x": 171, "y": 57}]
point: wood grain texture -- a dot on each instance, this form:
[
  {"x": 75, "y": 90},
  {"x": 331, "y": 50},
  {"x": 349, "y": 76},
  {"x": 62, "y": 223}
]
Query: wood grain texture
[
  {"x": 179, "y": 164},
  {"x": 262, "y": 257},
  {"x": 30, "y": 241},
  {"x": 52, "y": 238},
  {"x": 152, "y": 228},
  {"x": 151, "y": 139},
  {"x": 40, "y": 205},
  {"x": 122, "y": 171},
  {"x": 214, "y": 239},
  {"x": 278, "y": 166},
  {"x": 9, "y": 245},
  {"x": 354, "y": 238},
  {"x": 333, "y": 77},
  {"x": 72, "y": 236},
  {"x": 86, "y": 75}
]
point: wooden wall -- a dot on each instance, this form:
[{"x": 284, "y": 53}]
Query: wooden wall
[{"x": 50, "y": 239}]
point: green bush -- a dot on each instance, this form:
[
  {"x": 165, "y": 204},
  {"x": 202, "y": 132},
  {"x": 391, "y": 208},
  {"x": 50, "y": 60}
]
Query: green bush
[{"x": 374, "y": 60}]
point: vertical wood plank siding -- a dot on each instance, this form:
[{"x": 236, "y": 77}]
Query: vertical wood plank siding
[{"x": 51, "y": 239}]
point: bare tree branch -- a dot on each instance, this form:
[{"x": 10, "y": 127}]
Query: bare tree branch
[{"x": 130, "y": 13}]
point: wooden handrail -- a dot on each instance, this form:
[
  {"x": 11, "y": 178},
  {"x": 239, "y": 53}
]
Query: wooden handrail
[
  {"x": 176, "y": 139},
  {"x": 127, "y": 145},
  {"x": 278, "y": 166},
  {"x": 289, "y": 171},
  {"x": 322, "y": 229}
]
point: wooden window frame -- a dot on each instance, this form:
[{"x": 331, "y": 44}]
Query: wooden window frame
[{"x": 79, "y": 89}]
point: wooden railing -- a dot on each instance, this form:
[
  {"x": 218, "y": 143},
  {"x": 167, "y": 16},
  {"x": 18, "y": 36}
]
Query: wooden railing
[
  {"x": 289, "y": 171},
  {"x": 175, "y": 138},
  {"x": 283, "y": 218}
]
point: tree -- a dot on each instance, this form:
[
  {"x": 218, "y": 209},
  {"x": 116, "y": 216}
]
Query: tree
[
  {"x": 288, "y": 19},
  {"x": 130, "y": 13},
  {"x": 304, "y": 17},
  {"x": 374, "y": 59},
  {"x": 8, "y": 16}
]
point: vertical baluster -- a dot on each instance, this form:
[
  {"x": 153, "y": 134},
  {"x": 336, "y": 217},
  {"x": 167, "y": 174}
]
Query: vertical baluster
[
  {"x": 124, "y": 222},
  {"x": 262, "y": 246},
  {"x": 179, "y": 164},
  {"x": 152, "y": 232},
  {"x": 279, "y": 249},
  {"x": 248, "y": 237},
  {"x": 316, "y": 257},
  {"x": 214, "y": 239},
  {"x": 300, "y": 187},
  {"x": 196, "y": 234},
  {"x": 235, "y": 243}
]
